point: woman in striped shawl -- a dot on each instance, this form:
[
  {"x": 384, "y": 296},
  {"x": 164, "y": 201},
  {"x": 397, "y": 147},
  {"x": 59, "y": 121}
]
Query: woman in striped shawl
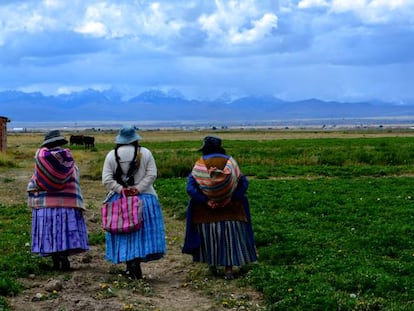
[
  {"x": 54, "y": 195},
  {"x": 218, "y": 228}
]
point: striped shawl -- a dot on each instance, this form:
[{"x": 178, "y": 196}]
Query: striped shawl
[
  {"x": 55, "y": 181},
  {"x": 217, "y": 176},
  {"x": 53, "y": 168}
]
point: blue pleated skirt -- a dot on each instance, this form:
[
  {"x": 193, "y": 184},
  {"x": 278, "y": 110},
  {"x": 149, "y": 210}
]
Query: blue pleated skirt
[
  {"x": 147, "y": 243},
  {"x": 225, "y": 243},
  {"x": 58, "y": 230}
]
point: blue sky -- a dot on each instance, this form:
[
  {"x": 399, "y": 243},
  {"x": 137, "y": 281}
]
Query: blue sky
[{"x": 345, "y": 50}]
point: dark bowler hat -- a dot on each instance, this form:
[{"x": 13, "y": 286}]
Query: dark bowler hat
[
  {"x": 53, "y": 139},
  {"x": 210, "y": 142}
]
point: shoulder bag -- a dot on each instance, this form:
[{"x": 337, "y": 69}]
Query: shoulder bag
[{"x": 123, "y": 215}]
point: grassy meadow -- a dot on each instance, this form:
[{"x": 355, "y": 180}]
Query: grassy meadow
[{"x": 333, "y": 212}]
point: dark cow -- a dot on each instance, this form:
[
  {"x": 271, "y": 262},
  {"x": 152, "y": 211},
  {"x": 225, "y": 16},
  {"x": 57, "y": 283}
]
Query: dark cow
[
  {"x": 76, "y": 140},
  {"x": 89, "y": 141}
]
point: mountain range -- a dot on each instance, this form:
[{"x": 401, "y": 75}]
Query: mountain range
[{"x": 156, "y": 105}]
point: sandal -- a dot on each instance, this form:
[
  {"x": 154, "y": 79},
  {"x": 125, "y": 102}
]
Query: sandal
[
  {"x": 229, "y": 275},
  {"x": 56, "y": 262},
  {"x": 133, "y": 270},
  {"x": 65, "y": 263},
  {"x": 213, "y": 270}
]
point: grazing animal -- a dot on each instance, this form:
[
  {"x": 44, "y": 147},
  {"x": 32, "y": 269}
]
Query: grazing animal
[
  {"x": 89, "y": 141},
  {"x": 76, "y": 140}
]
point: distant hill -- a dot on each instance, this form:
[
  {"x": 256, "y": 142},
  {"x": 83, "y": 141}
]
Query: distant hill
[{"x": 93, "y": 105}]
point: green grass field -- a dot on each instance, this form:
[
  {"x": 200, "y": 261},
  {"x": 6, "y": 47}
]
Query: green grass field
[{"x": 333, "y": 217}]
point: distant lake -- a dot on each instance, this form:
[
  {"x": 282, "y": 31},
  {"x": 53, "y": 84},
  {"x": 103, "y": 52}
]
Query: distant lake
[{"x": 400, "y": 122}]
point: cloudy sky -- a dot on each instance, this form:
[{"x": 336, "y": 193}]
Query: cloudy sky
[{"x": 292, "y": 49}]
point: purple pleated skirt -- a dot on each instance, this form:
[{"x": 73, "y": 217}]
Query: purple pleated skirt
[{"x": 58, "y": 230}]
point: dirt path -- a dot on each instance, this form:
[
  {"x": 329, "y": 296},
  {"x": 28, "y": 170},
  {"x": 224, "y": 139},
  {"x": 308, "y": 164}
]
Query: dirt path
[{"x": 172, "y": 283}]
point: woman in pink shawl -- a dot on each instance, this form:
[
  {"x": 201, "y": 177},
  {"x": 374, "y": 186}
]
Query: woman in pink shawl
[{"x": 54, "y": 195}]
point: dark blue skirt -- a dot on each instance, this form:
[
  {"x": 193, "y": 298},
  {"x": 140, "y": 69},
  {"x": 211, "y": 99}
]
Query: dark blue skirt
[{"x": 225, "y": 243}]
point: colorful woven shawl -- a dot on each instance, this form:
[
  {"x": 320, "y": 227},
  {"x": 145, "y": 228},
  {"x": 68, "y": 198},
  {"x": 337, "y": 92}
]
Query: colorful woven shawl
[
  {"x": 217, "y": 175},
  {"x": 53, "y": 168},
  {"x": 55, "y": 181}
]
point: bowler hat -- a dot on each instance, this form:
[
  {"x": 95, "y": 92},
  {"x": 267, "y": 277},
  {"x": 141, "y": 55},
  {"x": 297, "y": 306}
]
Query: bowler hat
[
  {"x": 210, "y": 142},
  {"x": 54, "y": 138}
]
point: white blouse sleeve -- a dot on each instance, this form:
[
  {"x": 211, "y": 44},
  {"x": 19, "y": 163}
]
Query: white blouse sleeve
[
  {"x": 108, "y": 172},
  {"x": 147, "y": 172}
]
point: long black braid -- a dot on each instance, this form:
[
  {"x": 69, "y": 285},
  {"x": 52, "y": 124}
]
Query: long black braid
[{"x": 133, "y": 166}]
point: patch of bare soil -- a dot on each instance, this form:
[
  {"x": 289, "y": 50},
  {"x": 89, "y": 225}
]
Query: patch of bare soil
[{"x": 172, "y": 283}]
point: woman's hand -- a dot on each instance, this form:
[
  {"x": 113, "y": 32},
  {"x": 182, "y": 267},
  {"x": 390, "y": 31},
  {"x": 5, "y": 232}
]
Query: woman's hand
[
  {"x": 131, "y": 191},
  {"x": 213, "y": 204}
]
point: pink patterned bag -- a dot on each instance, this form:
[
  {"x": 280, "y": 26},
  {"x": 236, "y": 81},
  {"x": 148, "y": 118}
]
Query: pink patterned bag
[{"x": 123, "y": 215}]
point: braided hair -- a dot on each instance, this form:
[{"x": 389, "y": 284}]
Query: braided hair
[{"x": 133, "y": 166}]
